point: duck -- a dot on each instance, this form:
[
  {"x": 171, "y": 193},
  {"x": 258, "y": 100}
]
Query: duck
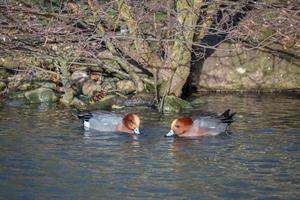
[
  {"x": 110, "y": 122},
  {"x": 202, "y": 126}
]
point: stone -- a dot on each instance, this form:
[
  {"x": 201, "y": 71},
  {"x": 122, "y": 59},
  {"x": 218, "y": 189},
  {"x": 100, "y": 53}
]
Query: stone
[
  {"x": 79, "y": 104},
  {"x": 40, "y": 95},
  {"x": 67, "y": 97},
  {"x": 197, "y": 102},
  {"x": 12, "y": 85},
  {"x": 4, "y": 74},
  {"x": 175, "y": 104},
  {"x": 89, "y": 87},
  {"x": 97, "y": 77},
  {"x": 142, "y": 99},
  {"x": 116, "y": 107},
  {"x": 126, "y": 86},
  {"x": 16, "y": 95},
  {"x": 2, "y": 85},
  {"x": 19, "y": 77},
  {"x": 25, "y": 86},
  {"x": 247, "y": 70},
  {"x": 108, "y": 86},
  {"x": 44, "y": 84},
  {"x": 79, "y": 76},
  {"x": 105, "y": 103}
]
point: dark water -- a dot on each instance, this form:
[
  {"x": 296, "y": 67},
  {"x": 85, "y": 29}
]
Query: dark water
[{"x": 45, "y": 154}]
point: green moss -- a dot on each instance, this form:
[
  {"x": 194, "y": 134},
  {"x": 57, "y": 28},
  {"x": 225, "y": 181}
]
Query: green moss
[
  {"x": 154, "y": 46},
  {"x": 160, "y": 16},
  {"x": 40, "y": 95},
  {"x": 44, "y": 84},
  {"x": 4, "y": 74},
  {"x": 105, "y": 103},
  {"x": 25, "y": 86},
  {"x": 43, "y": 20},
  {"x": 265, "y": 33},
  {"x": 182, "y": 72},
  {"x": 197, "y": 102},
  {"x": 79, "y": 104},
  {"x": 2, "y": 85},
  {"x": 17, "y": 95},
  {"x": 163, "y": 87},
  {"x": 149, "y": 88},
  {"x": 175, "y": 104}
]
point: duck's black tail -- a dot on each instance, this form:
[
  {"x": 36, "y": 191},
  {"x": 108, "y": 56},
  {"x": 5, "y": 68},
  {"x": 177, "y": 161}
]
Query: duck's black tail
[
  {"x": 227, "y": 117},
  {"x": 85, "y": 117}
]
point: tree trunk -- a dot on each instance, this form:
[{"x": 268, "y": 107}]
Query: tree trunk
[{"x": 179, "y": 56}]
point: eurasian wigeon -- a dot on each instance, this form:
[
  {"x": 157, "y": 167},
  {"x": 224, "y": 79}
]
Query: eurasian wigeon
[
  {"x": 202, "y": 126},
  {"x": 110, "y": 122}
]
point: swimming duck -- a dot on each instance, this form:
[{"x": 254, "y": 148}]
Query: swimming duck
[
  {"x": 109, "y": 122},
  {"x": 187, "y": 127}
]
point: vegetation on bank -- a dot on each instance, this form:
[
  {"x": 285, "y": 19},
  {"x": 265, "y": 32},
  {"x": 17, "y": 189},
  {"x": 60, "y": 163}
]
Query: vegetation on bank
[{"x": 86, "y": 52}]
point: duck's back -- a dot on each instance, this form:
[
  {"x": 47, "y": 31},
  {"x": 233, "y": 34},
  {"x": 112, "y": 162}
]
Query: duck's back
[
  {"x": 212, "y": 126},
  {"x": 104, "y": 121}
]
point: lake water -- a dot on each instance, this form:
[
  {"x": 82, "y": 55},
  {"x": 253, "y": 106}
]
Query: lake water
[{"x": 46, "y": 154}]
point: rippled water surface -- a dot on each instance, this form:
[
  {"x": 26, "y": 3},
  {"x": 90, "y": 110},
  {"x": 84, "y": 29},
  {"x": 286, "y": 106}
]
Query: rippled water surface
[{"x": 45, "y": 154}]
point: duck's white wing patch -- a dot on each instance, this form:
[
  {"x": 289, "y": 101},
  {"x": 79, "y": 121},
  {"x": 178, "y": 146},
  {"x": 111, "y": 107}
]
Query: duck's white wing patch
[{"x": 86, "y": 124}]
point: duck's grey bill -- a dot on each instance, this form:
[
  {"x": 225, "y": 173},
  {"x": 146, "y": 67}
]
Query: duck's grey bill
[
  {"x": 170, "y": 133},
  {"x": 137, "y": 131}
]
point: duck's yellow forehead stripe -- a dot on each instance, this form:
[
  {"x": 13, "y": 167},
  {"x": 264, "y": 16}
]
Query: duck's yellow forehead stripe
[
  {"x": 173, "y": 123},
  {"x": 137, "y": 120}
]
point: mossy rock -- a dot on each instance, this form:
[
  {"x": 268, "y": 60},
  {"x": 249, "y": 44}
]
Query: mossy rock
[
  {"x": 142, "y": 99},
  {"x": 40, "y": 95},
  {"x": 265, "y": 32},
  {"x": 2, "y": 85},
  {"x": 67, "y": 97},
  {"x": 197, "y": 102},
  {"x": 126, "y": 86},
  {"x": 175, "y": 104},
  {"x": 105, "y": 103},
  {"x": 44, "y": 84},
  {"x": 79, "y": 104},
  {"x": 25, "y": 86},
  {"x": 79, "y": 76},
  {"x": 4, "y": 74},
  {"x": 247, "y": 70},
  {"x": 109, "y": 85},
  {"x": 16, "y": 95},
  {"x": 12, "y": 85}
]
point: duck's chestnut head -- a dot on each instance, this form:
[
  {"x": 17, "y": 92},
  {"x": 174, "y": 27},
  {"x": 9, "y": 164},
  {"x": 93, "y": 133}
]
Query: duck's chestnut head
[
  {"x": 132, "y": 122},
  {"x": 180, "y": 126}
]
